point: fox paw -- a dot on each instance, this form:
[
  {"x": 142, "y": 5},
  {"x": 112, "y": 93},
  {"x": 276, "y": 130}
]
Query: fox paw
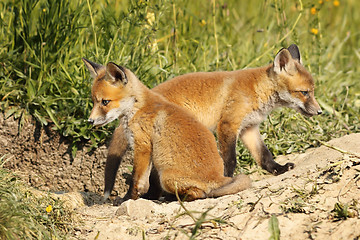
[
  {"x": 118, "y": 201},
  {"x": 283, "y": 168}
]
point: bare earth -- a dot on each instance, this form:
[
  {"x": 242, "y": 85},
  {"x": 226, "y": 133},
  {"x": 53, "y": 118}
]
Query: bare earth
[{"x": 319, "y": 199}]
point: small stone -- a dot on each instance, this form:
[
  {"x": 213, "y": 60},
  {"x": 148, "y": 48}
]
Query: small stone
[{"x": 140, "y": 208}]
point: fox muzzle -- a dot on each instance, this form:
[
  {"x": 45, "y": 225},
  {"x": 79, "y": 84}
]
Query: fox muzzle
[{"x": 91, "y": 121}]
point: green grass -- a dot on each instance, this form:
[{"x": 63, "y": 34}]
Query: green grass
[
  {"x": 23, "y": 213},
  {"x": 42, "y": 42}
]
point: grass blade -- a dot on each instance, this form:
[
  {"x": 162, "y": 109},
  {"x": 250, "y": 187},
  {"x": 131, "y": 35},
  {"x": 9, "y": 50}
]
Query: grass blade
[{"x": 274, "y": 228}]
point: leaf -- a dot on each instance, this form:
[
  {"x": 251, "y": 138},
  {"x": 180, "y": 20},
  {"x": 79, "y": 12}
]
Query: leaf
[
  {"x": 40, "y": 118},
  {"x": 51, "y": 115},
  {"x": 74, "y": 150},
  {"x": 30, "y": 90},
  {"x": 74, "y": 91},
  {"x": 274, "y": 228},
  {"x": 9, "y": 112}
]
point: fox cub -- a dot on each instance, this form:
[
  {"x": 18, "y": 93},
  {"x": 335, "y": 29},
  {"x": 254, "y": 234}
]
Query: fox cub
[
  {"x": 233, "y": 104},
  {"x": 166, "y": 139}
]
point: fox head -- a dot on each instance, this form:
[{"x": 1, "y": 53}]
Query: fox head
[
  {"x": 296, "y": 85},
  {"x": 110, "y": 93}
]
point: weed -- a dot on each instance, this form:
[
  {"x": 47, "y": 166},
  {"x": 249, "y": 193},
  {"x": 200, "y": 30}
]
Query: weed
[
  {"x": 296, "y": 205},
  {"x": 344, "y": 211},
  {"x": 239, "y": 204},
  {"x": 299, "y": 203},
  {"x": 340, "y": 211}
]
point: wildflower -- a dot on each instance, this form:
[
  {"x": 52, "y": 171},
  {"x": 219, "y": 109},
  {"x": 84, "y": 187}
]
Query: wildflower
[
  {"x": 202, "y": 22},
  {"x": 153, "y": 46},
  {"x": 321, "y": 2},
  {"x": 44, "y": 9},
  {"x": 314, "y": 31},
  {"x": 313, "y": 11},
  {"x": 49, "y": 209},
  {"x": 336, "y": 3},
  {"x": 150, "y": 18}
]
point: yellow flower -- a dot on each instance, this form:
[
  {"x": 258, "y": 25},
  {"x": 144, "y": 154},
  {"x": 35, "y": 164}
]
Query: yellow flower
[
  {"x": 321, "y": 2},
  {"x": 202, "y": 22},
  {"x": 336, "y": 3},
  {"x": 49, "y": 208},
  {"x": 153, "y": 46},
  {"x": 313, "y": 11},
  {"x": 44, "y": 10},
  {"x": 314, "y": 31},
  {"x": 150, "y": 18}
]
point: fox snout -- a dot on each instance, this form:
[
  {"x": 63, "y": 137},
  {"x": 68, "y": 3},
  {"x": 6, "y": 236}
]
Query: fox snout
[
  {"x": 311, "y": 108},
  {"x": 94, "y": 122},
  {"x": 101, "y": 121},
  {"x": 311, "y": 112},
  {"x": 91, "y": 121},
  {"x": 98, "y": 117}
]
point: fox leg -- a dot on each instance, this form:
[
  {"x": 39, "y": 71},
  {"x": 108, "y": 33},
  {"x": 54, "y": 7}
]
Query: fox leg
[
  {"x": 252, "y": 139},
  {"x": 155, "y": 189},
  {"x": 227, "y": 137},
  {"x": 141, "y": 173},
  {"x": 116, "y": 152}
]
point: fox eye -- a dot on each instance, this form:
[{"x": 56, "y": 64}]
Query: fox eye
[
  {"x": 105, "y": 102},
  {"x": 305, "y": 93}
]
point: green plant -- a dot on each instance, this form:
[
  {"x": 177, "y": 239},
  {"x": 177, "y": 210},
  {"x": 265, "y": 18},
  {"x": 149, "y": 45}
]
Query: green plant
[
  {"x": 343, "y": 211},
  {"x": 300, "y": 201},
  {"x": 274, "y": 228}
]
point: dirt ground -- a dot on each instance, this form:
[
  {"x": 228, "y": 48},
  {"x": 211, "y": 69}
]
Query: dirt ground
[
  {"x": 44, "y": 160},
  {"x": 319, "y": 199}
]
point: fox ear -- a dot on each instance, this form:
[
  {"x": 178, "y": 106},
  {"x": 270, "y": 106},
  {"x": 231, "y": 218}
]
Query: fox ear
[
  {"x": 93, "y": 67},
  {"x": 284, "y": 62},
  {"x": 116, "y": 73},
  {"x": 295, "y": 53}
]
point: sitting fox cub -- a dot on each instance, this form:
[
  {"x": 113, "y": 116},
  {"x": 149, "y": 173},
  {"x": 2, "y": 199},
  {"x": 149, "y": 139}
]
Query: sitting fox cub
[
  {"x": 165, "y": 137},
  {"x": 234, "y": 104}
]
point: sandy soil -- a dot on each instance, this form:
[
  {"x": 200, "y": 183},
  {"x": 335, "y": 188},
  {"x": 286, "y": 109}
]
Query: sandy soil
[{"x": 319, "y": 199}]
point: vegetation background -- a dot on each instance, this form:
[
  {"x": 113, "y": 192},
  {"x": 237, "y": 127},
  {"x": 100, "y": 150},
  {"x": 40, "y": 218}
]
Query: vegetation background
[{"x": 42, "y": 43}]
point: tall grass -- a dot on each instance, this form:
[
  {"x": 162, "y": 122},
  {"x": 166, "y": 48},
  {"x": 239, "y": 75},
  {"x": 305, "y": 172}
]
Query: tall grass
[{"x": 42, "y": 42}]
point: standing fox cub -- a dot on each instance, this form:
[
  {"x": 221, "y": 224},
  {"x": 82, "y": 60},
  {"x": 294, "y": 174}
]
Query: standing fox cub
[
  {"x": 234, "y": 104},
  {"x": 166, "y": 139}
]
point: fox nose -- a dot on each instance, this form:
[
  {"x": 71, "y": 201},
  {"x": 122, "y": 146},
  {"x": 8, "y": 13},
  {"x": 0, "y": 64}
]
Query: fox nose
[
  {"x": 91, "y": 121},
  {"x": 319, "y": 112}
]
